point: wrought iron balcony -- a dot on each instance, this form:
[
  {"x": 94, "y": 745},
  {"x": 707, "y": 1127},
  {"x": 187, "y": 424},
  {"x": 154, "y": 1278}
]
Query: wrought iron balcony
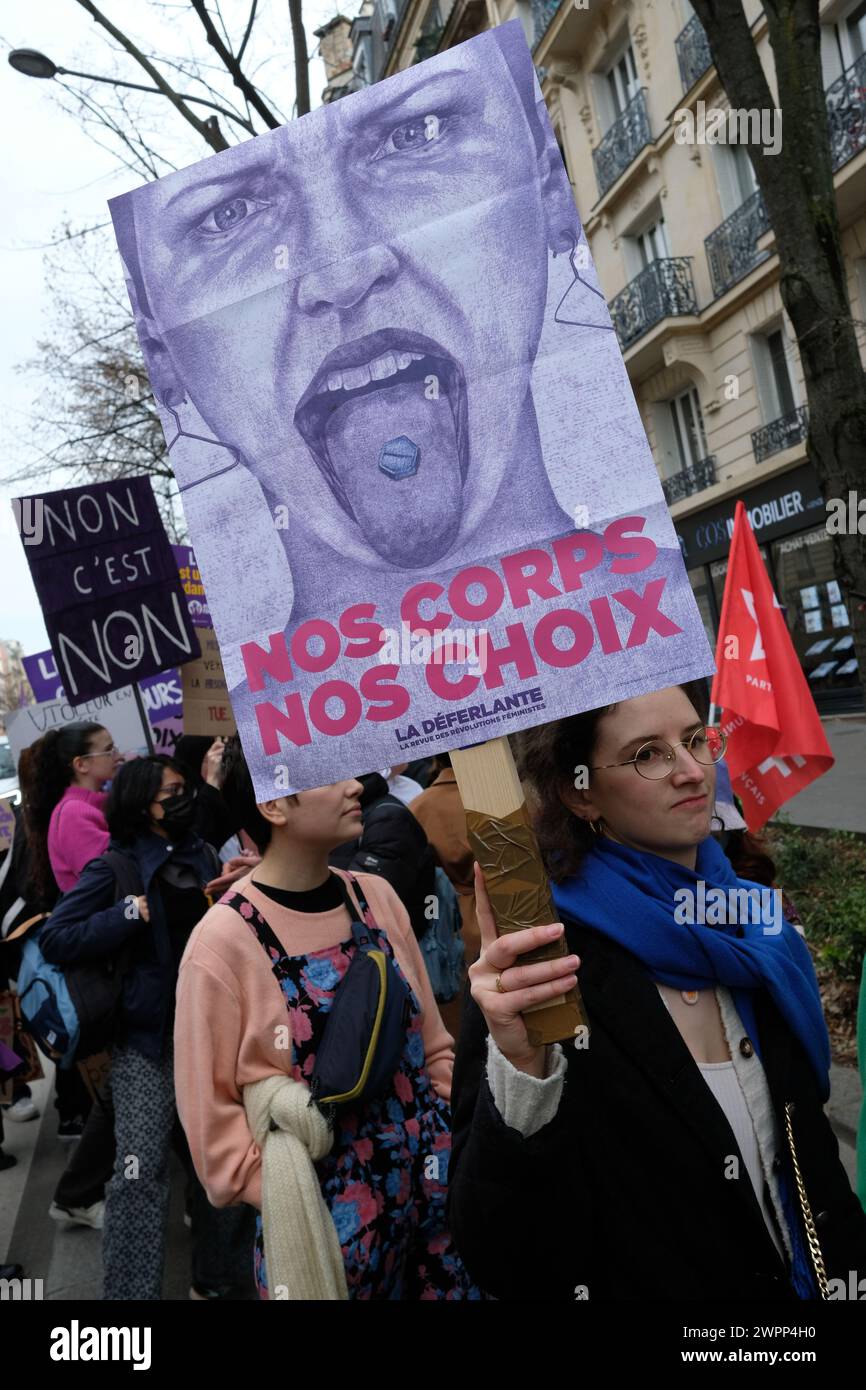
[
  {"x": 690, "y": 480},
  {"x": 622, "y": 143},
  {"x": 780, "y": 434},
  {"x": 732, "y": 249},
  {"x": 846, "y": 113},
  {"x": 693, "y": 52},
  {"x": 543, "y": 12},
  {"x": 663, "y": 288}
]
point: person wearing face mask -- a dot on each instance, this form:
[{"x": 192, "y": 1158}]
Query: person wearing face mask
[
  {"x": 150, "y": 815},
  {"x": 680, "y": 1148}
]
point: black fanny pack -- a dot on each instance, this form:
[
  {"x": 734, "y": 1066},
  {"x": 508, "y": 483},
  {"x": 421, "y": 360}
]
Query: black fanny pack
[{"x": 366, "y": 1028}]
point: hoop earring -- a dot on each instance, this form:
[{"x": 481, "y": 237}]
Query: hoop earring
[
  {"x": 597, "y": 827},
  {"x": 717, "y": 817}
]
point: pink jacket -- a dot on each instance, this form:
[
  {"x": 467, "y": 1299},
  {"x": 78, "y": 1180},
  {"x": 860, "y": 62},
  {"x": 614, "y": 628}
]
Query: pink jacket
[
  {"x": 230, "y": 1009},
  {"x": 77, "y": 833}
]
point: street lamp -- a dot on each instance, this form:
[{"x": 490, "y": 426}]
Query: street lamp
[{"x": 32, "y": 63}]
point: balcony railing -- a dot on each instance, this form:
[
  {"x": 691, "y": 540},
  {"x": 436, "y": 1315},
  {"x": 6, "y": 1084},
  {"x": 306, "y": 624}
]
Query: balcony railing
[
  {"x": 622, "y": 143},
  {"x": 846, "y": 113},
  {"x": 542, "y": 16},
  {"x": 732, "y": 249},
  {"x": 662, "y": 288},
  {"x": 693, "y": 52},
  {"x": 780, "y": 434},
  {"x": 690, "y": 480}
]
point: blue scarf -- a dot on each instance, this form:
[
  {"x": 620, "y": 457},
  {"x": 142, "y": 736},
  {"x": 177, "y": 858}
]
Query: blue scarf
[{"x": 628, "y": 896}]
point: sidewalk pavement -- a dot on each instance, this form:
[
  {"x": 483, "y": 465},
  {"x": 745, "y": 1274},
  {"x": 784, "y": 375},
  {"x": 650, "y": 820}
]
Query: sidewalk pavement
[{"x": 837, "y": 801}]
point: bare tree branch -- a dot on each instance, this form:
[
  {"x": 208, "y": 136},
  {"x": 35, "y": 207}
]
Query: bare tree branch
[
  {"x": 209, "y": 130},
  {"x": 232, "y": 66}
]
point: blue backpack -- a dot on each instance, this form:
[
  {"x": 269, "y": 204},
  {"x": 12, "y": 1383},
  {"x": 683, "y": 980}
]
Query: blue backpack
[
  {"x": 442, "y": 943},
  {"x": 70, "y": 1010}
]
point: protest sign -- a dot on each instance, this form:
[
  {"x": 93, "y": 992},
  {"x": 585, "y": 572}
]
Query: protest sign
[
  {"x": 415, "y": 476},
  {"x": 109, "y": 587},
  {"x": 193, "y": 587},
  {"x": 118, "y": 712},
  {"x": 166, "y": 735},
  {"x": 162, "y": 696},
  {"x": 161, "y": 693},
  {"x": 42, "y": 673},
  {"x": 206, "y": 705},
  {"x": 7, "y": 823}
]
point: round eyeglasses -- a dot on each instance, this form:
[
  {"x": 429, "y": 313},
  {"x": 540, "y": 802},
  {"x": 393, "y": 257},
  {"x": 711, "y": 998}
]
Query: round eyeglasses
[{"x": 657, "y": 759}]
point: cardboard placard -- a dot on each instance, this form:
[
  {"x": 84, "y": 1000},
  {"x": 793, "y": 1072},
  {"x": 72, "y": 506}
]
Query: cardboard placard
[{"x": 206, "y": 705}]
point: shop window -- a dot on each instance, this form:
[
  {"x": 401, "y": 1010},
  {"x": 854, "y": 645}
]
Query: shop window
[{"x": 816, "y": 612}]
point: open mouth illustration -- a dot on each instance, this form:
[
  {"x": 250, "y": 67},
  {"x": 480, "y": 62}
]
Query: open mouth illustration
[{"x": 372, "y": 408}]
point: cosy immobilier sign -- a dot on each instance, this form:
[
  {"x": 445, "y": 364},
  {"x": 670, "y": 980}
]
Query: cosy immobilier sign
[{"x": 415, "y": 477}]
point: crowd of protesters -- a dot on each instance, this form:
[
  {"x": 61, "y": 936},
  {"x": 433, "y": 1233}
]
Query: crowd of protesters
[{"x": 311, "y": 1006}]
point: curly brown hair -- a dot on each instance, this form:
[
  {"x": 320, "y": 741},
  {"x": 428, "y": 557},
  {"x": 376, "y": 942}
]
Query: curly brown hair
[{"x": 546, "y": 758}]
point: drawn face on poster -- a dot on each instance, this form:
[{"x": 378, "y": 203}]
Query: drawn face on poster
[
  {"x": 373, "y": 289},
  {"x": 354, "y": 313}
]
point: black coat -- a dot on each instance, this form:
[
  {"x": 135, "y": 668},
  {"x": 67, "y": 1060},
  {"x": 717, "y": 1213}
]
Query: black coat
[
  {"x": 90, "y": 924},
  {"x": 624, "y": 1191},
  {"x": 392, "y": 844}
]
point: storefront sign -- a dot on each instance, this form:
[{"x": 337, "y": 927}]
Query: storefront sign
[{"x": 791, "y": 502}]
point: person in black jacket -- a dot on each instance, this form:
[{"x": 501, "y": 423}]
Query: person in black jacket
[
  {"x": 394, "y": 845},
  {"x": 678, "y": 1148},
  {"x": 150, "y": 815}
]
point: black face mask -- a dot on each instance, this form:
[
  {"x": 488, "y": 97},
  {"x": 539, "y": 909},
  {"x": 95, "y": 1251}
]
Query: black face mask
[{"x": 178, "y": 813}]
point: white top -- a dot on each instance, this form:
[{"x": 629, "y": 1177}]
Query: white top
[
  {"x": 527, "y": 1103},
  {"x": 721, "y": 1077}
]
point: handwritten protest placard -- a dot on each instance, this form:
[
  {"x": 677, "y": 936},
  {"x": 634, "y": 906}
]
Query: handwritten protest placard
[
  {"x": 118, "y": 712},
  {"x": 206, "y": 705},
  {"x": 415, "y": 476},
  {"x": 108, "y": 585}
]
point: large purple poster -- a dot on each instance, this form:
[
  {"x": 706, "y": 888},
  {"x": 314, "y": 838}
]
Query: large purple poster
[
  {"x": 417, "y": 483},
  {"x": 109, "y": 587}
]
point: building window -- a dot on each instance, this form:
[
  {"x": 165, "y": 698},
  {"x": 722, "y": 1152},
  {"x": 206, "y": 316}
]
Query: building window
[
  {"x": 735, "y": 177},
  {"x": 681, "y": 432},
  {"x": 774, "y": 376},
  {"x": 843, "y": 42},
  {"x": 616, "y": 85},
  {"x": 648, "y": 244}
]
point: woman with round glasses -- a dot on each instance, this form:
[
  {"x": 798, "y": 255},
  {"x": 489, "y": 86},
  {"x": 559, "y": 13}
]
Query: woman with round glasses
[{"x": 679, "y": 1148}]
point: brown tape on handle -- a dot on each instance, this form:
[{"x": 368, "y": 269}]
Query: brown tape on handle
[{"x": 507, "y": 851}]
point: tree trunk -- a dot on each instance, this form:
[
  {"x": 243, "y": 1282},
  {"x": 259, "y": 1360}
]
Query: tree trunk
[
  {"x": 797, "y": 185},
  {"x": 302, "y": 62}
]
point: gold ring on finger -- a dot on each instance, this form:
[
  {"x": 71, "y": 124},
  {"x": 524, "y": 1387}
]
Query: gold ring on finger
[{"x": 500, "y": 986}]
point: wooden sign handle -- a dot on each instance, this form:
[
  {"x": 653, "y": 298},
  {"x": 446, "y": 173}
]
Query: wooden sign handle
[{"x": 504, "y": 843}]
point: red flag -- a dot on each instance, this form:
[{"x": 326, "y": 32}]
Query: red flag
[{"x": 776, "y": 742}]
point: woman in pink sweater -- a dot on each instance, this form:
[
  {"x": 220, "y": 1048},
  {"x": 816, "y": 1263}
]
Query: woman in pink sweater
[
  {"x": 275, "y": 958},
  {"x": 65, "y": 801}
]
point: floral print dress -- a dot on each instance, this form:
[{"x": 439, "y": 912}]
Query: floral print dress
[{"x": 385, "y": 1179}]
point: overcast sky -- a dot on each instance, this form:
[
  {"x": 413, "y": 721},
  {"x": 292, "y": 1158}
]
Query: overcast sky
[{"x": 52, "y": 172}]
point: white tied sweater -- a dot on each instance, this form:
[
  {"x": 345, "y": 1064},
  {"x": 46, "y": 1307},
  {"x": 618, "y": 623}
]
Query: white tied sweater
[{"x": 527, "y": 1103}]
